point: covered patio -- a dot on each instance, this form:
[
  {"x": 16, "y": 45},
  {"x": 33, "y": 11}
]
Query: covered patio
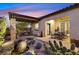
[{"x": 16, "y": 18}]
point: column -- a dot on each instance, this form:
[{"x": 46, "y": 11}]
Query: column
[{"x": 13, "y": 28}]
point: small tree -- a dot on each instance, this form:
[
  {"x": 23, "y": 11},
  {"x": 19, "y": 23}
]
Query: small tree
[{"x": 2, "y": 29}]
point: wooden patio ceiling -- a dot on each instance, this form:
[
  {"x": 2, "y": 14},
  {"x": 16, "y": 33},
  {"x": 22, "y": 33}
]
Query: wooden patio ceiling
[{"x": 20, "y": 17}]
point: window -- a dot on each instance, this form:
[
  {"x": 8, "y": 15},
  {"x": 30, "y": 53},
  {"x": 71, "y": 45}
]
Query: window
[
  {"x": 68, "y": 27},
  {"x": 36, "y": 26},
  {"x": 62, "y": 26},
  {"x": 48, "y": 28}
]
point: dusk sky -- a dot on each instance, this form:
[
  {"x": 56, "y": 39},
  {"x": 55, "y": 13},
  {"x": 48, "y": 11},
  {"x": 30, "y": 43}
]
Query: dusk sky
[{"x": 32, "y": 9}]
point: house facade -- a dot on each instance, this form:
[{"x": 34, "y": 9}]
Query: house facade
[{"x": 66, "y": 20}]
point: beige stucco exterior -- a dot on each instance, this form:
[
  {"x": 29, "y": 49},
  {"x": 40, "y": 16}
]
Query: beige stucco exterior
[{"x": 74, "y": 22}]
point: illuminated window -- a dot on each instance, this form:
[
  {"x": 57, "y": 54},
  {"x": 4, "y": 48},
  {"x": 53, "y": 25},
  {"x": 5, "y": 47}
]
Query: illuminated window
[
  {"x": 62, "y": 25},
  {"x": 36, "y": 26},
  {"x": 29, "y": 25}
]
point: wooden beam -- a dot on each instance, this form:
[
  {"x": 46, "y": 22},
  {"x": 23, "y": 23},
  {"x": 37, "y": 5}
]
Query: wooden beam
[{"x": 20, "y": 17}]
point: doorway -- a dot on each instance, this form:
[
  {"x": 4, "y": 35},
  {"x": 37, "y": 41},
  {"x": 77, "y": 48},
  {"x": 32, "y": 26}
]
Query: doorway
[{"x": 48, "y": 28}]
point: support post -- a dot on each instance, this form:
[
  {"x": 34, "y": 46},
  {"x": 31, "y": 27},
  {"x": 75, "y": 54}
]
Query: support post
[{"x": 13, "y": 28}]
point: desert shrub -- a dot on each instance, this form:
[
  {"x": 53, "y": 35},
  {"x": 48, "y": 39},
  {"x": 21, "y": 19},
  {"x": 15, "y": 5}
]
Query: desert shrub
[
  {"x": 1, "y": 41},
  {"x": 63, "y": 50},
  {"x": 52, "y": 46},
  {"x": 68, "y": 53},
  {"x": 59, "y": 35},
  {"x": 58, "y": 52},
  {"x": 47, "y": 50},
  {"x": 56, "y": 45},
  {"x": 73, "y": 52},
  {"x": 72, "y": 46},
  {"x": 2, "y": 30},
  {"x": 60, "y": 43}
]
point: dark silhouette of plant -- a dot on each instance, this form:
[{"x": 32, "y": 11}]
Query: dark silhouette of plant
[
  {"x": 52, "y": 46},
  {"x": 68, "y": 52},
  {"x": 59, "y": 35},
  {"x": 46, "y": 50},
  {"x": 72, "y": 46},
  {"x": 60, "y": 43},
  {"x": 63, "y": 50},
  {"x": 56, "y": 45},
  {"x": 73, "y": 49}
]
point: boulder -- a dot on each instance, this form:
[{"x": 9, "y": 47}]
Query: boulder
[{"x": 20, "y": 46}]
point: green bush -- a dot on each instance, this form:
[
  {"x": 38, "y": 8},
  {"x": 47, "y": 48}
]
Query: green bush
[
  {"x": 1, "y": 41},
  {"x": 2, "y": 30}
]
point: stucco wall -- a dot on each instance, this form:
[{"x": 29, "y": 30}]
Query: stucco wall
[{"x": 74, "y": 22}]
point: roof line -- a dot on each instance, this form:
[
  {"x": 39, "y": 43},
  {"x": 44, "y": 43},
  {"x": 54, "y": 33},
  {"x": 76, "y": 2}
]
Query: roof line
[
  {"x": 12, "y": 13},
  {"x": 61, "y": 11},
  {"x": 76, "y": 5}
]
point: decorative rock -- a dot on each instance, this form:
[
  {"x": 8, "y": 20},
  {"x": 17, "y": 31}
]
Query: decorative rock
[
  {"x": 31, "y": 42},
  {"x": 38, "y": 46},
  {"x": 8, "y": 44},
  {"x": 20, "y": 46}
]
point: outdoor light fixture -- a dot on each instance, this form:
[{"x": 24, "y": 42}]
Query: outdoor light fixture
[{"x": 51, "y": 21}]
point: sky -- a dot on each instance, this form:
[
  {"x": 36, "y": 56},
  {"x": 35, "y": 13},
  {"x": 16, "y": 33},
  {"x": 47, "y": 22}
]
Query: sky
[{"x": 32, "y": 9}]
